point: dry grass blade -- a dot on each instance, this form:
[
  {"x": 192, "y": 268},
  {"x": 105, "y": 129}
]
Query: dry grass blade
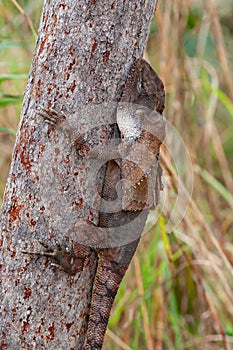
[
  {"x": 221, "y": 46},
  {"x": 208, "y": 299},
  {"x": 143, "y": 304},
  {"x": 117, "y": 340},
  {"x": 28, "y": 19}
]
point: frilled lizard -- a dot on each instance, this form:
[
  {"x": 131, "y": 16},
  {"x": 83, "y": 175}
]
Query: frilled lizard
[{"x": 140, "y": 130}]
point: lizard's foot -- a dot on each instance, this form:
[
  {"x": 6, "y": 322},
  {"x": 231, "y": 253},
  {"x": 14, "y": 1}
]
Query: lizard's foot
[
  {"x": 66, "y": 259},
  {"x": 51, "y": 116}
]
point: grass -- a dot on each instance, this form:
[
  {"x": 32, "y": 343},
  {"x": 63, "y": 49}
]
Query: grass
[{"x": 178, "y": 291}]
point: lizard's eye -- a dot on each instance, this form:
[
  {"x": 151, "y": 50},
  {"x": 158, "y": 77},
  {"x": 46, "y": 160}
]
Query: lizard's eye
[{"x": 142, "y": 87}]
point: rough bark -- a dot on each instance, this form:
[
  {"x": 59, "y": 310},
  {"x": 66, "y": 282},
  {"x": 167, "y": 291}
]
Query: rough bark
[{"x": 82, "y": 56}]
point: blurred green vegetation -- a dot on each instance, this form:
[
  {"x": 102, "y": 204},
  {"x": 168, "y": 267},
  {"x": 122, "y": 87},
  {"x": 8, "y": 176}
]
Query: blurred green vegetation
[{"x": 178, "y": 291}]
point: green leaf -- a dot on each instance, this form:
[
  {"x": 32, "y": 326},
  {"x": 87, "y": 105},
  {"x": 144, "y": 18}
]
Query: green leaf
[
  {"x": 224, "y": 99},
  {"x": 217, "y": 186},
  {"x": 4, "y": 77},
  {"x": 7, "y": 130},
  {"x": 7, "y": 99}
]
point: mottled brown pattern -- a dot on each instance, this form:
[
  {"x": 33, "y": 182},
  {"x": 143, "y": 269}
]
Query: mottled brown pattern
[{"x": 143, "y": 87}]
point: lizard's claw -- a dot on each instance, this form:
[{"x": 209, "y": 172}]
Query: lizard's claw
[
  {"x": 49, "y": 250},
  {"x": 51, "y": 116},
  {"x": 65, "y": 259}
]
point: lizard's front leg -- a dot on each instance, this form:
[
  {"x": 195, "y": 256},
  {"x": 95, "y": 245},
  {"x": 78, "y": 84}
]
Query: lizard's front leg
[{"x": 68, "y": 260}]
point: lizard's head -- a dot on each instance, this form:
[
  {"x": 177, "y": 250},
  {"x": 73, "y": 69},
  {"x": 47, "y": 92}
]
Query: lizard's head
[
  {"x": 144, "y": 87},
  {"x": 150, "y": 88}
]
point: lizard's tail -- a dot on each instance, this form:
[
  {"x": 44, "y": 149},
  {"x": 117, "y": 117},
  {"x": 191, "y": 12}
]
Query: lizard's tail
[{"x": 107, "y": 281}]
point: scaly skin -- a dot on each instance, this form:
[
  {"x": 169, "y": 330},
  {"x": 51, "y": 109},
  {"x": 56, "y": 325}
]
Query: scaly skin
[{"x": 143, "y": 87}]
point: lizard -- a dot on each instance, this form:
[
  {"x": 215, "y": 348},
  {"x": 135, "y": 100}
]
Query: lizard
[{"x": 145, "y": 90}]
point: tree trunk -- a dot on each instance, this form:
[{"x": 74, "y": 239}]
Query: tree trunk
[{"x": 82, "y": 56}]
